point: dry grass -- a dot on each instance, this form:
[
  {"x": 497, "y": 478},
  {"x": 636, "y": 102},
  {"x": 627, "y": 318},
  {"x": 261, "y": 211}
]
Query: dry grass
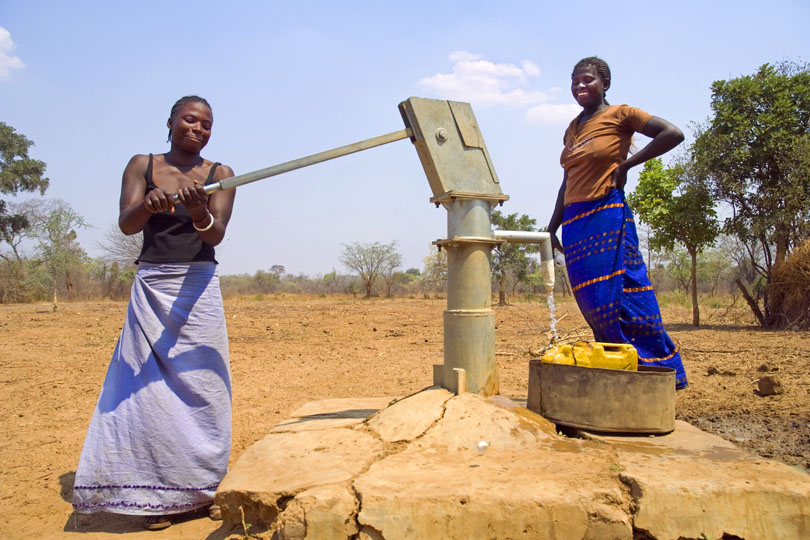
[{"x": 790, "y": 290}]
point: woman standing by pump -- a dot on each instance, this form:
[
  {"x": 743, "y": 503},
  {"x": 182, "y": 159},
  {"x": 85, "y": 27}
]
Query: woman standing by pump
[
  {"x": 599, "y": 240},
  {"x": 159, "y": 440}
]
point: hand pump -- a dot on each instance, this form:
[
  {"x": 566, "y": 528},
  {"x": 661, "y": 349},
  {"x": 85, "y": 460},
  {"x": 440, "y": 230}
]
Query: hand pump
[{"x": 463, "y": 180}]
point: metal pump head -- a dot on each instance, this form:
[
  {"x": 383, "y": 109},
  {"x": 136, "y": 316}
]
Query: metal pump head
[{"x": 450, "y": 146}]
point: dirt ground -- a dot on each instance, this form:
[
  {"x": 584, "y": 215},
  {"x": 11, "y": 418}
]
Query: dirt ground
[{"x": 288, "y": 350}]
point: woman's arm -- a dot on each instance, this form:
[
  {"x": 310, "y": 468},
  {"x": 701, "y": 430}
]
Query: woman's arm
[
  {"x": 665, "y": 137},
  {"x": 136, "y": 206},
  {"x": 556, "y": 217},
  {"x": 210, "y": 212}
]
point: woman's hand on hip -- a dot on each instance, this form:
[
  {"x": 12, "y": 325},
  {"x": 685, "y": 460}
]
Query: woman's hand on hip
[{"x": 620, "y": 177}]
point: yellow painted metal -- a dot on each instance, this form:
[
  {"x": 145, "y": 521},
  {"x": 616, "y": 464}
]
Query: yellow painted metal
[{"x": 595, "y": 354}]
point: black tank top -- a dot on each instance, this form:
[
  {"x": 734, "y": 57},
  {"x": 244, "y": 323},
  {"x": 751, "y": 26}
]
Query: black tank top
[{"x": 171, "y": 238}]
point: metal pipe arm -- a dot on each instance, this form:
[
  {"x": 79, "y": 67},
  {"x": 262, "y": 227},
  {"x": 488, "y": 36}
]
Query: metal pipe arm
[
  {"x": 229, "y": 183},
  {"x": 543, "y": 239}
]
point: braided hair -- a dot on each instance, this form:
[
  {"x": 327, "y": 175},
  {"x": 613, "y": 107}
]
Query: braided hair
[
  {"x": 182, "y": 101},
  {"x": 599, "y": 66}
]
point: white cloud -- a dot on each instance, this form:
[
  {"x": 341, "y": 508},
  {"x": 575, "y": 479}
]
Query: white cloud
[
  {"x": 7, "y": 62},
  {"x": 461, "y": 56},
  {"x": 486, "y": 83},
  {"x": 548, "y": 113},
  {"x": 483, "y": 83},
  {"x": 531, "y": 68}
]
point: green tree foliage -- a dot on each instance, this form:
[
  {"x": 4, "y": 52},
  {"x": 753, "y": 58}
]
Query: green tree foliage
[
  {"x": 388, "y": 270},
  {"x": 58, "y": 247},
  {"x": 18, "y": 173},
  {"x": 434, "y": 275},
  {"x": 369, "y": 260},
  {"x": 407, "y": 280},
  {"x": 715, "y": 270},
  {"x": 511, "y": 260},
  {"x": 677, "y": 264},
  {"x": 755, "y": 150},
  {"x": 34, "y": 212},
  {"x": 679, "y": 209}
]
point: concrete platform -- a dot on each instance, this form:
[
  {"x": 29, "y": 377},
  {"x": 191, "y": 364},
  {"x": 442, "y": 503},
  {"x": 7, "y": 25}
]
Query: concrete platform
[{"x": 379, "y": 468}]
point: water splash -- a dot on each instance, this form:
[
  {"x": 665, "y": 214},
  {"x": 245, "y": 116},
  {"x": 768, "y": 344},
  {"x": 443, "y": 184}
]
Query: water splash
[{"x": 552, "y": 309}]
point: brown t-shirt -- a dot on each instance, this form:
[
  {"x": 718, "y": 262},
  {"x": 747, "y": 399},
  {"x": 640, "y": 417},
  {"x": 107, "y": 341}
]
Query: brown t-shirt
[{"x": 593, "y": 150}]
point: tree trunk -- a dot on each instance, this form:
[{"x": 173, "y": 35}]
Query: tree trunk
[
  {"x": 566, "y": 284},
  {"x": 751, "y": 302},
  {"x": 693, "y": 284},
  {"x": 368, "y": 288},
  {"x": 17, "y": 255},
  {"x": 782, "y": 237},
  {"x": 69, "y": 285},
  {"x": 502, "y": 290}
]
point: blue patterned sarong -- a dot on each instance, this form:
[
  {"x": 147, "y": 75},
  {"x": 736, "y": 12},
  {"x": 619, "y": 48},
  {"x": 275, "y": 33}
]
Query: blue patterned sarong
[
  {"x": 610, "y": 282},
  {"x": 160, "y": 437}
]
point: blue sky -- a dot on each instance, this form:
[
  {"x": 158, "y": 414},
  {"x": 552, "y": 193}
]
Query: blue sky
[{"x": 92, "y": 83}]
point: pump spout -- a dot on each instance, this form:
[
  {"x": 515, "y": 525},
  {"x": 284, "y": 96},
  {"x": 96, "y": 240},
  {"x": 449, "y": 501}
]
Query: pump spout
[{"x": 543, "y": 239}]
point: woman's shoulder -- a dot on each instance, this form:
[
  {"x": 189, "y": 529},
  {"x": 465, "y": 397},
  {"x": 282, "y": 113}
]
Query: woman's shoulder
[
  {"x": 138, "y": 158},
  {"x": 631, "y": 117},
  {"x": 572, "y": 127},
  {"x": 624, "y": 110},
  {"x": 222, "y": 171},
  {"x": 139, "y": 161}
]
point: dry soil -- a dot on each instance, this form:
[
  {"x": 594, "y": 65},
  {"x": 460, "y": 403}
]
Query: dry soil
[{"x": 288, "y": 350}]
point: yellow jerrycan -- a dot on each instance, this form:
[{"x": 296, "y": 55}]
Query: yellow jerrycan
[{"x": 595, "y": 354}]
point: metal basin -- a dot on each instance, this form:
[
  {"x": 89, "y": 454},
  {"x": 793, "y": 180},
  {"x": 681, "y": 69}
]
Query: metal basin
[{"x": 607, "y": 400}]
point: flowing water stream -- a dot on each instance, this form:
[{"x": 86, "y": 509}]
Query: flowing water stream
[{"x": 552, "y": 310}]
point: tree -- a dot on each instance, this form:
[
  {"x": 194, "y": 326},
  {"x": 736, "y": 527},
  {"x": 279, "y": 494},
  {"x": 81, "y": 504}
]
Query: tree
[
  {"x": 119, "y": 248},
  {"x": 35, "y": 212},
  {"x": 58, "y": 246},
  {"x": 434, "y": 276},
  {"x": 680, "y": 210},
  {"x": 18, "y": 173},
  {"x": 388, "y": 269},
  {"x": 677, "y": 264},
  {"x": 715, "y": 269},
  {"x": 367, "y": 260},
  {"x": 754, "y": 152},
  {"x": 511, "y": 259},
  {"x": 266, "y": 282}
]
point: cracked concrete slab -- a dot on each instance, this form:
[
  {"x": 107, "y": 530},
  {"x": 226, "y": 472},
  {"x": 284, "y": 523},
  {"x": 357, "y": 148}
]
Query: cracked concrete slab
[
  {"x": 410, "y": 417},
  {"x": 331, "y": 413},
  {"x": 691, "y": 483},
  {"x": 323, "y": 512},
  {"x": 282, "y": 465},
  {"x": 415, "y": 470},
  {"x": 470, "y": 419},
  {"x": 524, "y": 485},
  {"x": 462, "y": 494}
]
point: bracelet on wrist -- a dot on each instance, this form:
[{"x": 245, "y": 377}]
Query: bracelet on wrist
[{"x": 203, "y": 229}]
